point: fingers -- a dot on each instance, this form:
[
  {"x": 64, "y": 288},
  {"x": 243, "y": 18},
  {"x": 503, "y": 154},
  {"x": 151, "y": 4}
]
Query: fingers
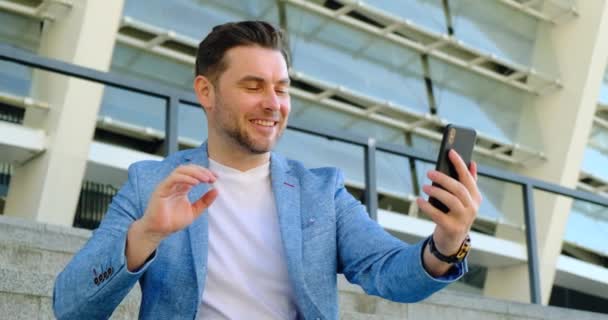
[
  {"x": 452, "y": 186},
  {"x": 451, "y": 201},
  {"x": 204, "y": 202},
  {"x": 435, "y": 214},
  {"x": 176, "y": 183},
  {"x": 473, "y": 170},
  {"x": 184, "y": 178},
  {"x": 464, "y": 176},
  {"x": 198, "y": 172}
]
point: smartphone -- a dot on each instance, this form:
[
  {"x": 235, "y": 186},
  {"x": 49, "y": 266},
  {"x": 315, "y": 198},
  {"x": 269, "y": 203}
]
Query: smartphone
[{"x": 462, "y": 140}]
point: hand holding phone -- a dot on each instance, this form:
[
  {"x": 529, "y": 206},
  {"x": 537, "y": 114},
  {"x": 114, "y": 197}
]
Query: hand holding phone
[{"x": 462, "y": 140}]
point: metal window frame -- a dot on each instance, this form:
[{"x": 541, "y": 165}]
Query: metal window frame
[
  {"x": 592, "y": 183},
  {"x": 597, "y": 183},
  {"x": 526, "y": 6},
  {"x": 425, "y": 125},
  {"x": 155, "y": 45},
  {"x": 403, "y": 118},
  {"x": 548, "y": 83},
  {"x": 23, "y": 102},
  {"x": 46, "y": 10},
  {"x": 434, "y": 45}
]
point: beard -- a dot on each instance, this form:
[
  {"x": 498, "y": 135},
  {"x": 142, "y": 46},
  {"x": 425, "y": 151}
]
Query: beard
[{"x": 227, "y": 125}]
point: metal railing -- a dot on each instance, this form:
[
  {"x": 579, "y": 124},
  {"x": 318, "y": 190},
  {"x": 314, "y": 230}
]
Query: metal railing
[
  {"x": 175, "y": 97},
  {"x": 93, "y": 203}
]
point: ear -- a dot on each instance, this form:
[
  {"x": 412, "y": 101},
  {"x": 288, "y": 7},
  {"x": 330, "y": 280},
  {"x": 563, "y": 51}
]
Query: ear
[{"x": 205, "y": 93}]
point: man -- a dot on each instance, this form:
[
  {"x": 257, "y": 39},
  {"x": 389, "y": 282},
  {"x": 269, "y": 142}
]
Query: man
[{"x": 231, "y": 230}]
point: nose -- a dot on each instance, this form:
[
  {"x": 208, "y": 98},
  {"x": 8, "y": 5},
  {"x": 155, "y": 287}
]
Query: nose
[{"x": 271, "y": 101}]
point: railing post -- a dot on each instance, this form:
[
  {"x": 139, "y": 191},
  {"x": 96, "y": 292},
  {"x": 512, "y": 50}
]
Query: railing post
[
  {"x": 371, "y": 192},
  {"x": 171, "y": 114},
  {"x": 531, "y": 244}
]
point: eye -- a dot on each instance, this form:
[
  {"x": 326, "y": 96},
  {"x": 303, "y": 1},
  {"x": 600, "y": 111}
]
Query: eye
[
  {"x": 252, "y": 89},
  {"x": 282, "y": 91}
]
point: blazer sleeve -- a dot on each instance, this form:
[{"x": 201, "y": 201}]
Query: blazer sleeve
[
  {"x": 96, "y": 280},
  {"x": 378, "y": 262}
]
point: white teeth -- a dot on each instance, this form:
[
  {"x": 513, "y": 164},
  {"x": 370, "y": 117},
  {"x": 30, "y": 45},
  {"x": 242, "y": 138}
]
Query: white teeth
[{"x": 264, "y": 123}]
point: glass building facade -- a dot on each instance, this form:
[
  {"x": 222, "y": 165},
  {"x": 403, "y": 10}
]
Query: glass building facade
[{"x": 396, "y": 71}]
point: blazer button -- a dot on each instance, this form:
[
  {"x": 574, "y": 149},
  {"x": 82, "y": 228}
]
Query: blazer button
[
  {"x": 100, "y": 278},
  {"x": 109, "y": 270},
  {"x": 96, "y": 281},
  {"x": 105, "y": 275}
]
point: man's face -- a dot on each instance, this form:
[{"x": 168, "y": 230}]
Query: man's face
[{"x": 252, "y": 102}]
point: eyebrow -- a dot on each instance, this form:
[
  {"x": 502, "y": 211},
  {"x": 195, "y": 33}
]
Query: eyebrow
[{"x": 284, "y": 81}]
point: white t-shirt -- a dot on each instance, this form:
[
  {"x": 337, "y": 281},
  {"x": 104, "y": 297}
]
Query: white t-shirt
[{"x": 246, "y": 268}]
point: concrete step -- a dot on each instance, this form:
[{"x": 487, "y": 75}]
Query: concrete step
[
  {"x": 28, "y": 295},
  {"x": 39, "y": 248},
  {"x": 32, "y": 254},
  {"x": 355, "y": 304}
]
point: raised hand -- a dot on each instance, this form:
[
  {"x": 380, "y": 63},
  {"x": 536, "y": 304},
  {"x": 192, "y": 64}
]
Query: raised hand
[
  {"x": 463, "y": 199},
  {"x": 169, "y": 210}
]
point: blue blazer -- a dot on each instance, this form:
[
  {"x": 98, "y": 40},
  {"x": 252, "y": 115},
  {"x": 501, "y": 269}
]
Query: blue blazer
[{"x": 324, "y": 230}]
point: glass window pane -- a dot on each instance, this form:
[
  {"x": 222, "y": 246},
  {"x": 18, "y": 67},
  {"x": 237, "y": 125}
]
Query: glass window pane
[
  {"x": 15, "y": 78},
  {"x": 604, "y": 90},
  {"x": 341, "y": 55},
  {"x": 393, "y": 174},
  {"x": 311, "y": 115},
  {"x": 20, "y": 31},
  {"x": 192, "y": 123},
  {"x": 24, "y": 33},
  {"x": 195, "y": 18},
  {"x": 134, "y": 108},
  {"x": 428, "y": 14},
  {"x": 471, "y": 100},
  {"x": 595, "y": 162},
  {"x": 144, "y": 65},
  {"x": 598, "y": 137},
  {"x": 493, "y": 27},
  {"x": 315, "y": 152},
  {"x": 588, "y": 227}
]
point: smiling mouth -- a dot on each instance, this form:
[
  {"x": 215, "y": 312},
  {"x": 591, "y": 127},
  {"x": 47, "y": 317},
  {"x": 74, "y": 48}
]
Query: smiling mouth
[{"x": 264, "y": 123}]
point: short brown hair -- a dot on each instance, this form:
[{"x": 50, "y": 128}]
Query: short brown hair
[{"x": 210, "y": 55}]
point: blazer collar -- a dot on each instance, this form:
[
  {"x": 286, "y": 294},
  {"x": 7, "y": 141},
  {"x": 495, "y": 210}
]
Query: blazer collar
[
  {"x": 286, "y": 188},
  {"x": 287, "y": 192},
  {"x": 198, "y": 230}
]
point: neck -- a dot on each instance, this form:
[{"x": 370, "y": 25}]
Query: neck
[{"x": 235, "y": 156}]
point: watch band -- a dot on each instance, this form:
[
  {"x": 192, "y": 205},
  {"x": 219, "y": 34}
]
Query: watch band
[{"x": 462, "y": 252}]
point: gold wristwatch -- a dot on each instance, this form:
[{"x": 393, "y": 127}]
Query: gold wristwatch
[{"x": 462, "y": 252}]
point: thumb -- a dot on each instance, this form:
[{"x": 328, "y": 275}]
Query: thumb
[{"x": 204, "y": 202}]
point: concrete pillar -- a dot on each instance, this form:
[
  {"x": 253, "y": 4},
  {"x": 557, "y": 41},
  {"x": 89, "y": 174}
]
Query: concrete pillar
[
  {"x": 47, "y": 188},
  {"x": 562, "y": 122}
]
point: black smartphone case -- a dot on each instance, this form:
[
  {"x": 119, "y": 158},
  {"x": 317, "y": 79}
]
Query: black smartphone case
[{"x": 461, "y": 139}]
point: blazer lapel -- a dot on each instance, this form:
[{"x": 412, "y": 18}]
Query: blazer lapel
[
  {"x": 198, "y": 230},
  {"x": 286, "y": 189}
]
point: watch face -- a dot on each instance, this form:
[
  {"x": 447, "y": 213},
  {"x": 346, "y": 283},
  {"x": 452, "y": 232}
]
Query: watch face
[
  {"x": 458, "y": 257},
  {"x": 464, "y": 250}
]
